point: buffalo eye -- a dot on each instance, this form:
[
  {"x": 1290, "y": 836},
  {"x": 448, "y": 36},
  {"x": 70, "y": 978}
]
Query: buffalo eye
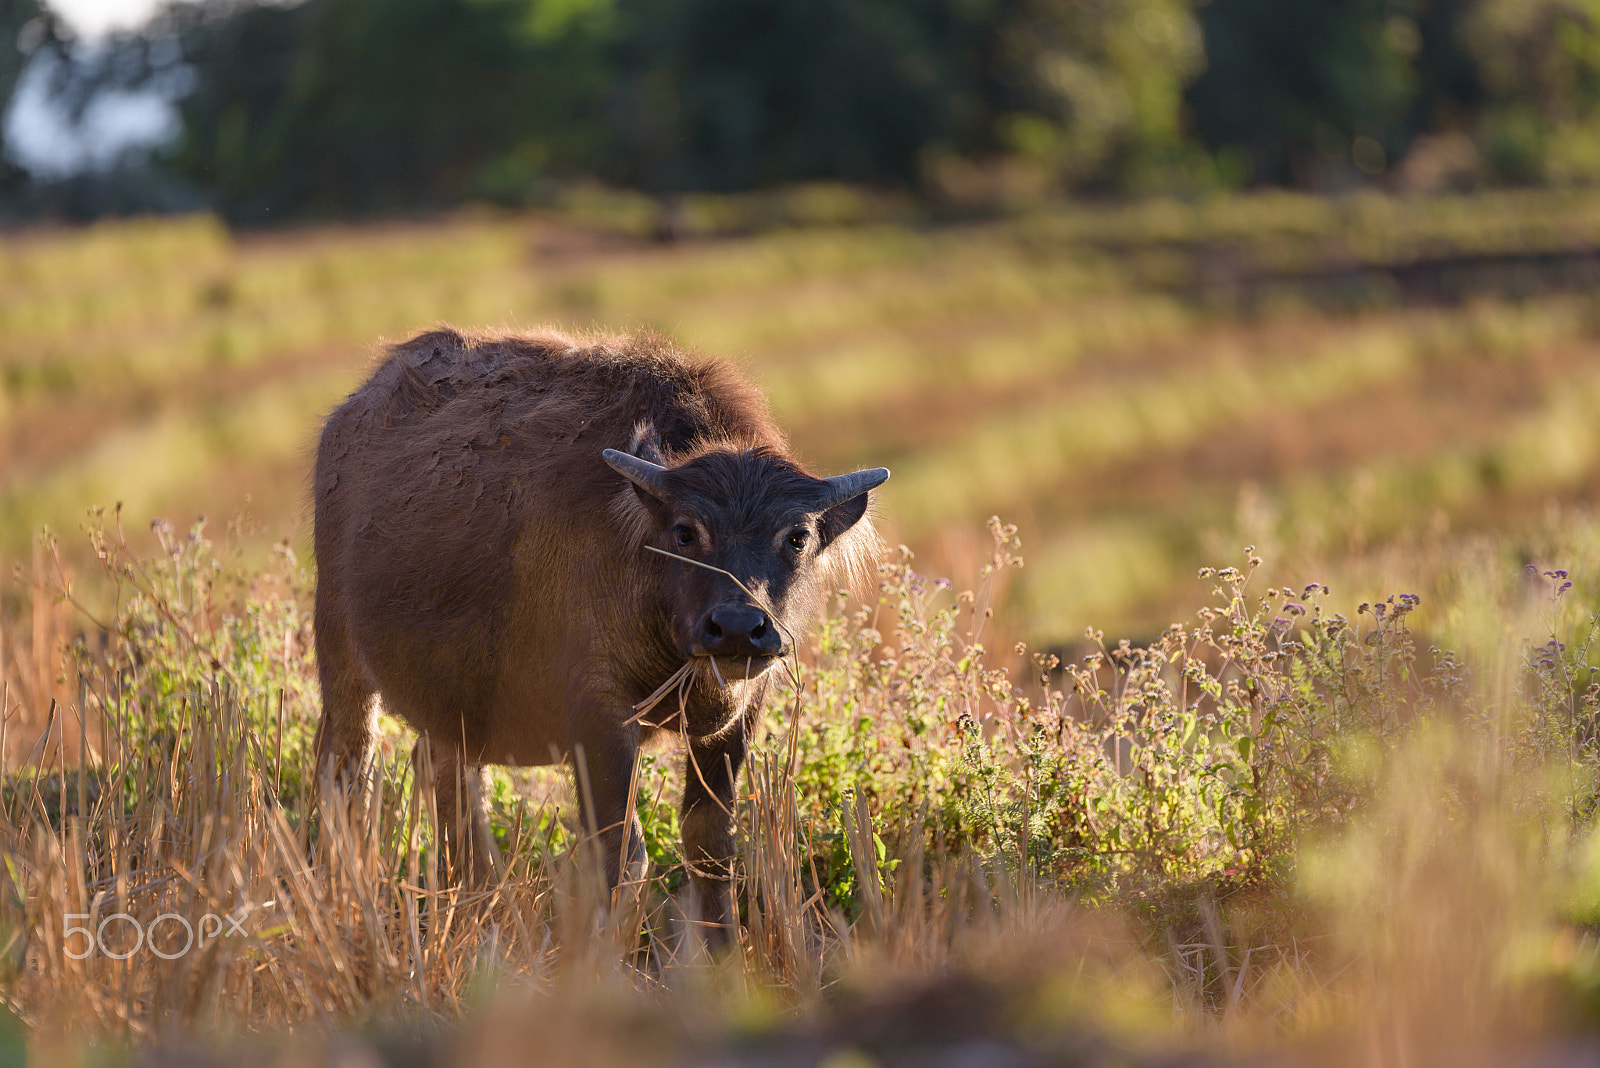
[
  {"x": 798, "y": 540},
  {"x": 683, "y": 535}
]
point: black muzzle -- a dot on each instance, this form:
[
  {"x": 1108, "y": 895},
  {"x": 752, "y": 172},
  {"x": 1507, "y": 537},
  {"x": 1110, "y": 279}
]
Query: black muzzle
[{"x": 738, "y": 630}]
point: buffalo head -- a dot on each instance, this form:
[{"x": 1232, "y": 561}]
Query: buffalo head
[{"x": 757, "y": 516}]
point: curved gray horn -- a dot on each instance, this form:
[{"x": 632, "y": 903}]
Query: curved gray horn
[
  {"x": 842, "y": 487},
  {"x": 652, "y": 478}
]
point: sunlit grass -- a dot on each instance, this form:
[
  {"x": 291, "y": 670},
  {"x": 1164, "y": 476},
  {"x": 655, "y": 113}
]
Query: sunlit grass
[
  {"x": 1285, "y": 828},
  {"x": 1292, "y": 826},
  {"x": 1048, "y": 365}
]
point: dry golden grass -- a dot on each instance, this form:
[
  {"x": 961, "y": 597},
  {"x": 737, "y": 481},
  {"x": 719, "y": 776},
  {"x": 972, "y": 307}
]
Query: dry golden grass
[
  {"x": 1345, "y": 854},
  {"x": 1291, "y": 833}
]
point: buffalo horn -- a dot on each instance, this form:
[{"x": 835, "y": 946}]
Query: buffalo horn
[
  {"x": 843, "y": 487},
  {"x": 652, "y": 478}
]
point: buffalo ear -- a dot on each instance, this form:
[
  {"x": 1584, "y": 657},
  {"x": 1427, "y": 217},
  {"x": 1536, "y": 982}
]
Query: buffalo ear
[
  {"x": 649, "y": 480},
  {"x": 646, "y": 444},
  {"x": 845, "y": 501}
]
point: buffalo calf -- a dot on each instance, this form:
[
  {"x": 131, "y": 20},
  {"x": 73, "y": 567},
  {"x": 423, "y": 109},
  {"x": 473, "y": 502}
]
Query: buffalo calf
[{"x": 485, "y": 512}]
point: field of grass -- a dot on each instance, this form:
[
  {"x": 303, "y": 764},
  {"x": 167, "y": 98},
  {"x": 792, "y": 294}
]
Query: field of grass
[
  {"x": 1142, "y": 389},
  {"x": 1286, "y": 835},
  {"x": 1342, "y": 815}
]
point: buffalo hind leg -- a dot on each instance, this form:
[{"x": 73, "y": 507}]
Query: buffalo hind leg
[
  {"x": 459, "y": 805},
  {"x": 349, "y": 709},
  {"x": 710, "y": 775}
]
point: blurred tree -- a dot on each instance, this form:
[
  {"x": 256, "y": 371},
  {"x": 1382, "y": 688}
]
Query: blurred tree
[
  {"x": 234, "y": 138},
  {"x": 66, "y": 79},
  {"x": 24, "y": 29},
  {"x": 1539, "y": 61},
  {"x": 365, "y": 105},
  {"x": 730, "y": 94},
  {"x": 1097, "y": 88},
  {"x": 17, "y": 16},
  {"x": 1450, "y": 88},
  {"x": 1309, "y": 91},
  {"x": 355, "y": 106},
  {"x": 735, "y": 93}
]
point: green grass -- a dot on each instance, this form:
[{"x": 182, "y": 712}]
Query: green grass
[{"x": 1090, "y": 371}]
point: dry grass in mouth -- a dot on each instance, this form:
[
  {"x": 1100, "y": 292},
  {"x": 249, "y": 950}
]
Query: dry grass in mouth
[
  {"x": 683, "y": 678},
  {"x": 680, "y": 679},
  {"x": 694, "y": 668}
]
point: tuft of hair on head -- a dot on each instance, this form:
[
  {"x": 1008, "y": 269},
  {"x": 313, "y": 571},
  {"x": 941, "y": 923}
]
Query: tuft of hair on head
[{"x": 851, "y": 562}]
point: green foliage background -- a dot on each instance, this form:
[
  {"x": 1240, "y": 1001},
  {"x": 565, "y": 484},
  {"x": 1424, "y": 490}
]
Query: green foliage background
[{"x": 330, "y": 107}]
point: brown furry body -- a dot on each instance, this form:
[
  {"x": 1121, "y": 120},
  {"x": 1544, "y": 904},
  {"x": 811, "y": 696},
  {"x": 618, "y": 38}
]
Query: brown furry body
[{"x": 484, "y": 570}]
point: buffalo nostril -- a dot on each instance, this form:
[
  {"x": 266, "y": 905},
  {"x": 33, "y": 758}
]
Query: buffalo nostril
[{"x": 737, "y": 631}]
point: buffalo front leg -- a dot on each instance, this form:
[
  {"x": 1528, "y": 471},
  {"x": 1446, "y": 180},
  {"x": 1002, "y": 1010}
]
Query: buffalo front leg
[
  {"x": 604, "y": 768},
  {"x": 465, "y": 843},
  {"x": 710, "y": 775}
]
